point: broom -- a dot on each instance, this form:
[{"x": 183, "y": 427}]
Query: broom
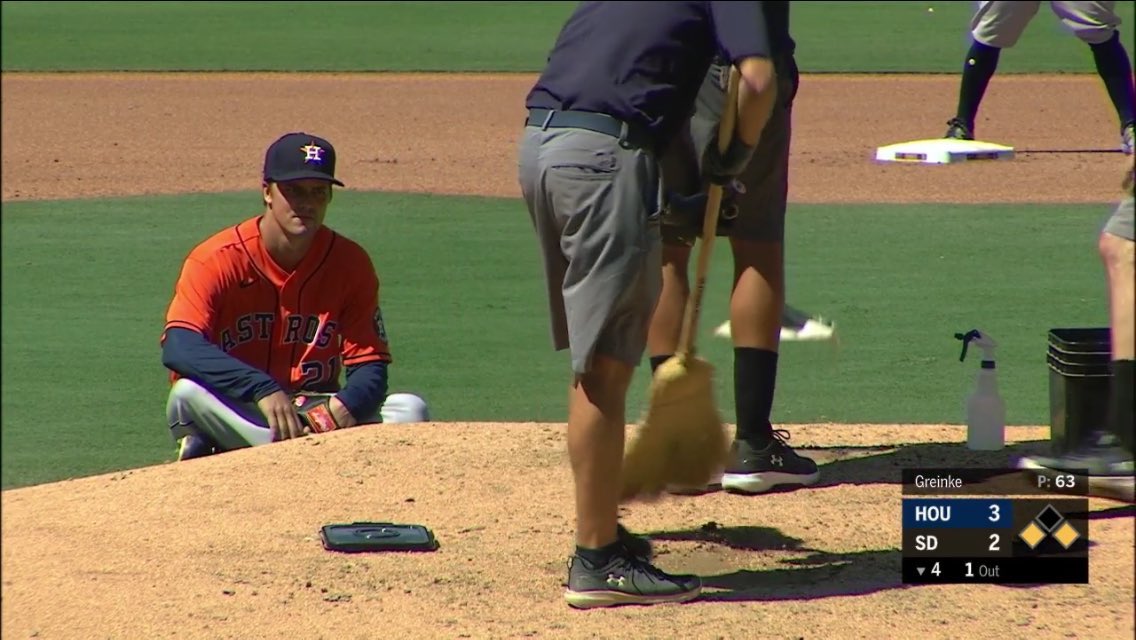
[{"x": 682, "y": 441}]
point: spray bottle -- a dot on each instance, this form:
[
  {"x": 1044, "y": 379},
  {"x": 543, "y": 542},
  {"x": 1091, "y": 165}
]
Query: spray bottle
[{"x": 985, "y": 410}]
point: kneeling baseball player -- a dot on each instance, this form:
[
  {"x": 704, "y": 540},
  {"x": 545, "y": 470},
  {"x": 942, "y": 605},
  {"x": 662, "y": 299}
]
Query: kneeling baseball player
[{"x": 266, "y": 315}]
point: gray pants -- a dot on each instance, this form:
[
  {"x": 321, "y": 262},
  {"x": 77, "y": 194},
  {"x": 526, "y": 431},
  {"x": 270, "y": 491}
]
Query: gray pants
[
  {"x": 1120, "y": 222},
  {"x": 594, "y": 202},
  {"x": 191, "y": 409},
  {"x": 1000, "y": 23}
]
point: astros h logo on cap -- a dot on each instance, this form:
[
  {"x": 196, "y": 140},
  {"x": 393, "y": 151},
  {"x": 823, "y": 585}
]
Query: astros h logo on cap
[{"x": 295, "y": 156}]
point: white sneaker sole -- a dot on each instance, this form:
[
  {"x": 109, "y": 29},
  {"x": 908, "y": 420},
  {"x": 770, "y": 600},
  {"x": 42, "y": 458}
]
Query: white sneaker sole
[
  {"x": 754, "y": 483},
  {"x": 597, "y": 599},
  {"x": 813, "y": 331}
]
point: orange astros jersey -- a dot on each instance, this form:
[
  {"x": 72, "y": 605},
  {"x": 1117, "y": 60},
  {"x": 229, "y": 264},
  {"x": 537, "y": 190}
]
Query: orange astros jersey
[{"x": 300, "y": 328}]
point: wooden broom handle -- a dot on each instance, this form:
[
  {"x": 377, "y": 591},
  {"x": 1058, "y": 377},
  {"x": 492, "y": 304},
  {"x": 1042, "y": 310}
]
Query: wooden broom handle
[{"x": 709, "y": 222}]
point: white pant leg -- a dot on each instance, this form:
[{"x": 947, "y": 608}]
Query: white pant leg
[
  {"x": 404, "y": 408},
  {"x": 1092, "y": 22},
  {"x": 192, "y": 409},
  {"x": 999, "y": 23}
]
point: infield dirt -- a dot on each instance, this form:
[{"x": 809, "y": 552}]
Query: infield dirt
[{"x": 227, "y": 547}]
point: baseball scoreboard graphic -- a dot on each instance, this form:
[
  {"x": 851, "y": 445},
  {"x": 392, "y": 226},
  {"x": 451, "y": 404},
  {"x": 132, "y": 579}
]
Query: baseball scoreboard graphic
[{"x": 994, "y": 526}]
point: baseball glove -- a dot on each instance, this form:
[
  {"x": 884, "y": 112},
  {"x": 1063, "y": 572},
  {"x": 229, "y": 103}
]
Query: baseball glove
[
  {"x": 315, "y": 412},
  {"x": 683, "y": 215}
]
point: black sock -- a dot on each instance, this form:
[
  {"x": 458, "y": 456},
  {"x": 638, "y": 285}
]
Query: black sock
[
  {"x": 602, "y": 556},
  {"x": 1120, "y": 410},
  {"x": 755, "y": 377},
  {"x": 981, "y": 62},
  {"x": 656, "y": 361},
  {"x": 1115, "y": 70}
]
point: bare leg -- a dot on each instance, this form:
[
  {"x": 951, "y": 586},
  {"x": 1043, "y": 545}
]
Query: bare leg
[
  {"x": 666, "y": 323},
  {"x": 759, "y": 294},
  {"x": 596, "y": 429},
  {"x": 1117, "y": 254},
  {"x": 762, "y": 458}
]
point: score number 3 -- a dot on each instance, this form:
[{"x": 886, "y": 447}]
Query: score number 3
[{"x": 995, "y": 516}]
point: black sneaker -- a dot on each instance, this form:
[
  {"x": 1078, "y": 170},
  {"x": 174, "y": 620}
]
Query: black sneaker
[
  {"x": 959, "y": 130},
  {"x": 1109, "y": 466},
  {"x": 1101, "y": 457},
  {"x": 754, "y": 470},
  {"x": 638, "y": 546},
  {"x": 625, "y": 580}
]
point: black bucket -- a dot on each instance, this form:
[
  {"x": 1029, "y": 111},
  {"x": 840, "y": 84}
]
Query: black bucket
[{"x": 1079, "y": 377}]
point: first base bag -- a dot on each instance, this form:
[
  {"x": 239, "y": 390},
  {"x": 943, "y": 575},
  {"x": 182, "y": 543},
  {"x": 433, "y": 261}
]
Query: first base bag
[{"x": 359, "y": 537}]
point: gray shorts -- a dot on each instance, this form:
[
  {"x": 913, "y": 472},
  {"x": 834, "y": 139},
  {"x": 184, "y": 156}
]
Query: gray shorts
[
  {"x": 595, "y": 205},
  {"x": 1000, "y": 23},
  {"x": 759, "y": 195},
  {"x": 1120, "y": 222}
]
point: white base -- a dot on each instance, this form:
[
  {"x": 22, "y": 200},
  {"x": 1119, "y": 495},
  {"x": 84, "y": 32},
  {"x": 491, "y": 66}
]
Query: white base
[{"x": 943, "y": 151}]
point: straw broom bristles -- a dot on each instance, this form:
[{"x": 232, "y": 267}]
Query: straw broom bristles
[{"x": 682, "y": 441}]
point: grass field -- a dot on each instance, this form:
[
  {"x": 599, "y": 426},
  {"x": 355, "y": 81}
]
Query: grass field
[
  {"x": 84, "y": 305},
  {"x": 470, "y": 36}
]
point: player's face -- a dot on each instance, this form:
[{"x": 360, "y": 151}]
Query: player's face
[{"x": 299, "y": 206}]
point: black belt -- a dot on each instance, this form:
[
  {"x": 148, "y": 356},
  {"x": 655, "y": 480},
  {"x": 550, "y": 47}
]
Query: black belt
[{"x": 590, "y": 120}]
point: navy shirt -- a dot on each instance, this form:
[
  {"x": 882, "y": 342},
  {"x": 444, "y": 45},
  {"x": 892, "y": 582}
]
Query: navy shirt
[
  {"x": 777, "y": 21},
  {"x": 643, "y": 62}
]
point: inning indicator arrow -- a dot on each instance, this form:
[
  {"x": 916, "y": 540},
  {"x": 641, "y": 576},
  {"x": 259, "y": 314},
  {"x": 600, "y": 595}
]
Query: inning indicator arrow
[{"x": 920, "y": 570}]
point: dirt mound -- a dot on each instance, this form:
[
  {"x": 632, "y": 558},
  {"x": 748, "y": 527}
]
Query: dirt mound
[{"x": 227, "y": 547}]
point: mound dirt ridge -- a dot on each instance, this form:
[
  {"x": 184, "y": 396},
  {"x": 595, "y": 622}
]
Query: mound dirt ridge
[{"x": 227, "y": 547}]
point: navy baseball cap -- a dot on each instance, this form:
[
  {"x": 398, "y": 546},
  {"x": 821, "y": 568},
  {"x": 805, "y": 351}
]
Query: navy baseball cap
[{"x": 295, "y": 156}]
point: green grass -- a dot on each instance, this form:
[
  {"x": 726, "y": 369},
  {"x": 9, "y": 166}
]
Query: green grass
[
  {"x": 471, "y": 36},
  {"x": 83, "y": 306}
]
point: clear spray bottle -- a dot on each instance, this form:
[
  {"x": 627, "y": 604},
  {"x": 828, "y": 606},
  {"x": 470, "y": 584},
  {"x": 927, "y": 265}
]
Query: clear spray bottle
[{"x": 985, "y": 410}]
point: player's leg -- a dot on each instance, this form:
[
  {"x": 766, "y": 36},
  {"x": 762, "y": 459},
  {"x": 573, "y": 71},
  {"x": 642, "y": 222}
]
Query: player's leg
[
  {"x": 1097, "y": 25},
  {"x": 404, "y": 408},
  {"x": 594, "y": 206},
  {"x": 762, "y": 458},
  {"x": 995, "y": 25},
  {"x": 211, "y": 423},
  {"x": 681, "y": 224},
  {"x": 1109, "y": 457},
  {"x": 1118, "y": 250}
]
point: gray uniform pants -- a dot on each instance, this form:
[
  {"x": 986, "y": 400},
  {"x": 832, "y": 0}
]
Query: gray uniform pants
[
  {"x": 1000, "y": 23},
  {"x": 594, "y": 202}
]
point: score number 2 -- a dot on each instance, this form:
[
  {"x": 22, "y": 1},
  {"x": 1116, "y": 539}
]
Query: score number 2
[{"x": 995, "y": 516}]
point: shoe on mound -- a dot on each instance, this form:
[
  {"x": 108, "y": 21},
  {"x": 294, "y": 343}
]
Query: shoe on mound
[
  {"x": 761, "y": 468},
  {"x": 625, "y": 580}
]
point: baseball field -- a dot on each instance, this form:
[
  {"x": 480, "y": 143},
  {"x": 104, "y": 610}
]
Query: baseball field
[{"x": 133, "y": 130}]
